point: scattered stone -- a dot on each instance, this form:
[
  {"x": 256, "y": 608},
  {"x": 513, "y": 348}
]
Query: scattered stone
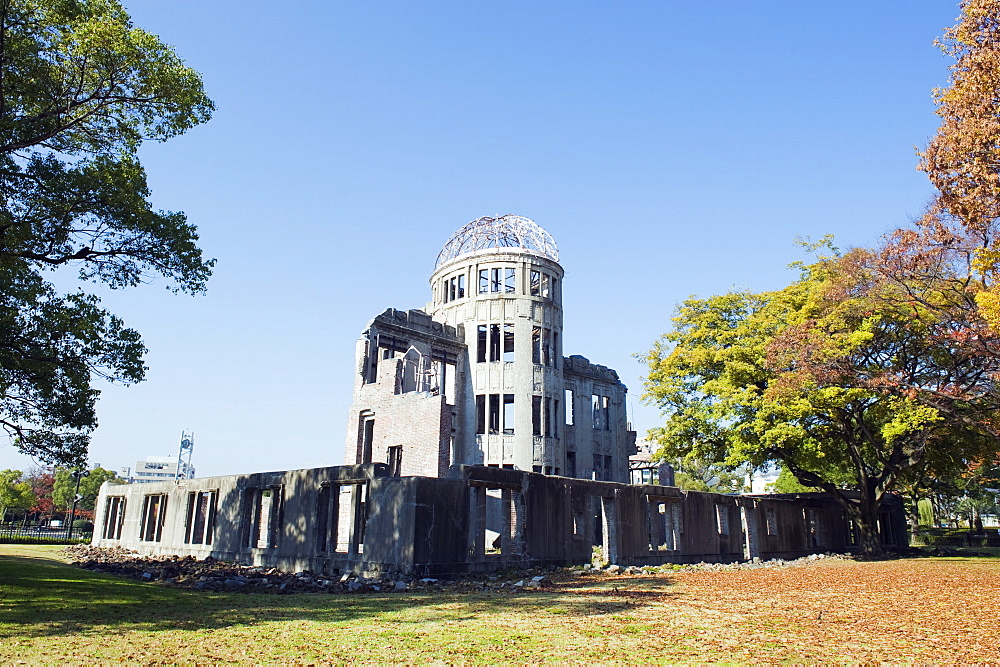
[{"x": 399, "y": 587}]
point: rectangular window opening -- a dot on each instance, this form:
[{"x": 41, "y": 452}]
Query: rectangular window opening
[
  {"x": 494, "y": 342},
  {"x": 201, "y": 509},
  {"x": 394, "y": 457},
  {"x": 508, "y": 342},
  {"x": 461, "y": 286},
  {"x": 484, "y": 281},
  {"x": 114, "y": 517},
  {"x": 536, "y": 345},
  {"x": 569, "y": 407},
  {"x": 547, "y": 416},
  {"x": 510, "y": 280},
  {"x": 536, "y": 415},
  {"x": 535, "y": 286},
  {"x": 480, "y": 414},
  {"x": 508, "y": 414},
  {"x": 494, "y": 413},
  {"x": 154, "y": 509},
  {"x": 481, "y": 342},
  {"x": 494, "y": 280}
]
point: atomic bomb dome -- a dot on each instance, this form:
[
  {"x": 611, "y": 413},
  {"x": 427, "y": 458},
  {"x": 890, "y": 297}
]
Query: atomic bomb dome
[
  {"x": 478, "y": 376},
  {"x": 496, "y": 234}
]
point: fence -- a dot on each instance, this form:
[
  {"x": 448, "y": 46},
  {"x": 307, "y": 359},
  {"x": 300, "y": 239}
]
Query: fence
[{"x": 18, "y": 534}]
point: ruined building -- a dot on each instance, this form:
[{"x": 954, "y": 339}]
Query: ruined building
[
  {"x": 478, "y": 377},
  {"x": 474, "y": 445}
]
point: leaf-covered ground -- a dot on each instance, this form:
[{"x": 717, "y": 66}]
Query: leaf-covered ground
[{"x": 919, "y": 610}]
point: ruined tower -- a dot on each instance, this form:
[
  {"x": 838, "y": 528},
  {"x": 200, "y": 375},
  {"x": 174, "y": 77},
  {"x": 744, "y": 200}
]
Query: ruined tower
[{"x": 479, "y": 377}]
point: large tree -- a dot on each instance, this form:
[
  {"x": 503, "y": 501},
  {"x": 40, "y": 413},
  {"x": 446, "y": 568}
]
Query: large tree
[
  {"x": 963, "y": 159},
  {"x": 14, "y": 492},
  {"x": 64, "y": 488},
  {"x": 81, "y": 88},
  {"x": 842, "y": 378}
]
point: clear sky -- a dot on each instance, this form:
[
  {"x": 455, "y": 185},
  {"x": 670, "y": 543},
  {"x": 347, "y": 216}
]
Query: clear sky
[{"x": 671, "y": 148}]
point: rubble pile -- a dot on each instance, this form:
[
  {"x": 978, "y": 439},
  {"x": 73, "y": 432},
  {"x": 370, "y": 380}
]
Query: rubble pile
[{"x": 214, "y": 575}]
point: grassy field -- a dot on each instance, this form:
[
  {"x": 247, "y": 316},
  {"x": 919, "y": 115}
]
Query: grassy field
[{"x": 940, "y": 610}]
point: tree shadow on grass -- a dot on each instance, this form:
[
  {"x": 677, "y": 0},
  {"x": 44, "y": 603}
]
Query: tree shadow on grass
[{"x": 40, "y": 598}]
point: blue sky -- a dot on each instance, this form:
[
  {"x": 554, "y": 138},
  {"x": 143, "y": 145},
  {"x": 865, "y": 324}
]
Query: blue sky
[{"x": 671, "y": 148}]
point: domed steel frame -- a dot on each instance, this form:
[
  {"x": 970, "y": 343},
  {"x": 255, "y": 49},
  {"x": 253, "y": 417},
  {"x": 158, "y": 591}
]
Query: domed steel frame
[{"x": 507, "y": 231}]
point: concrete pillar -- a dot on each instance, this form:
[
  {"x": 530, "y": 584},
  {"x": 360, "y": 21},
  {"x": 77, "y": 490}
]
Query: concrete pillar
[{"x": 751, "y": 529}]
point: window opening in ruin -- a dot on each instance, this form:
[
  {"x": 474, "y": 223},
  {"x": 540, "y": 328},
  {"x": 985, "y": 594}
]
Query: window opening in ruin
[
  {"x": 461, "y": 286},
  {"x": 414, "y": 375},
  {"x": 371, "y": 359},
  {"x": 536, "y": 345},
  {"x": 481, "y": 344},
  {"x": 341, "y": 512},
  {"x": 545, "y": 285},
  {"x": 200, "y": 524},
  {"x": 537, "y": 469},
  {"x": 453, "y": 288},
  {"x": 366, "y": 436},
  {"x": 154, "y": 510},
  {"x": 510, "y": 280},
  {"x": 555, "y": 417},
  {"x": 508, "y": 342},
  {"x": 262, "y": 512},
  {"x": 494, "y": 413},
  {"x": 547, "y": 416},
  {"x": 536, "y": 415},
  {"x": 394, "y": 457},
  {"x": 447, "y": 384},
  {"x": 484, "y": 281},
  {"x": 494, "y": 342},
  {"x": 771, "y": 521},
  {"x": 546, "y": 348},
  {"x": 552, "y": 287},
  {"x": 535, "y": 283},
  {"x": 114, "y": 517},
  {"x": 598, "y": 472},
  {"x": 569, "y": 407},
  {"x": 508, "y": 414},
  {"x": 608, "y": 468},
  {"x": 495, "y": 280},
  {"x": 595, "y": 403},
  {"x": 555, "y": 349},
  {"x": 571, "y": 464},
  {"x": 481, "y": 414},
  {"x": 722, "y": 519}
]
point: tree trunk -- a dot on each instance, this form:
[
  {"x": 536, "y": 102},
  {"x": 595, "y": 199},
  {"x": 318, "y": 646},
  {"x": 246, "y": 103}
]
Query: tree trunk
[{"x": 868, "y": 506}]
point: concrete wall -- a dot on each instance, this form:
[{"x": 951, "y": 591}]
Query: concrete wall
[{"x": 357, "y": 518}]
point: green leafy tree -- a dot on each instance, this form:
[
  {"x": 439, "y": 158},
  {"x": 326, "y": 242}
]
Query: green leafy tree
[
  {"x": 14, "y": 493},
  {"x": 64, "y": 488},
  {"x": 693, "y": 474},
  {"x": 787, "y": 483},
  {"x": 841, "y": 378},
  {"x": 81, "y": 88}
]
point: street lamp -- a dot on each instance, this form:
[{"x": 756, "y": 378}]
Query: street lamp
[{"x": 78, "y": 474}]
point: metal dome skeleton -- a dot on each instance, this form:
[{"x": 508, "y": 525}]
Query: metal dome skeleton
[{"x": 507, "y": 231}]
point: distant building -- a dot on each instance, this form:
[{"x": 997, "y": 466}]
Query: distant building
[{"x": 159, "y": 469}]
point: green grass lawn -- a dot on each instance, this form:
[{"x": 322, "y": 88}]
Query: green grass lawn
[
  {"x": 53, "y": 612},
  {"x": 839, "y": 611}
]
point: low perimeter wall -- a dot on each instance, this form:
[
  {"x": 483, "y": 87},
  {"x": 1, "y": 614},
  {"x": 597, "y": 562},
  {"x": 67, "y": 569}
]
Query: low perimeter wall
[{"x": 359, "y": 519}]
